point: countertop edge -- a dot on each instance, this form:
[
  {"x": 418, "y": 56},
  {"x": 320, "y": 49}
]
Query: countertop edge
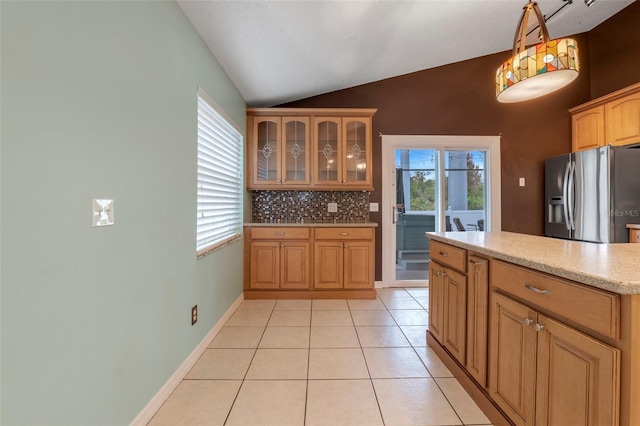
[
  {"x": 598, "y": 281},
  {"x": 314, "y": 225}
]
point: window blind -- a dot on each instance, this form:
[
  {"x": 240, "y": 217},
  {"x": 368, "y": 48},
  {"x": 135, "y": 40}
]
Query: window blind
[{"x": 220, "y": 161}]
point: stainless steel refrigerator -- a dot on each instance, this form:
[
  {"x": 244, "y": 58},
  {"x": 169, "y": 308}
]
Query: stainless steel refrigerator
[{"x": 592, "y": 195}]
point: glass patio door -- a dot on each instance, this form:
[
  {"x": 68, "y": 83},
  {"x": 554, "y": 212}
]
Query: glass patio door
[{"x": 436, "y": 190}]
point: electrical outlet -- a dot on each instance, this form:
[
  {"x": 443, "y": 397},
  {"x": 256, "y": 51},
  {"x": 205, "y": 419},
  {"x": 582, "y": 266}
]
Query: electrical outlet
[
  {"x": 521, "y": 181},
  {"x": 194, "y": 315},
  {"x": 332, "y": 207},
  {"x": 373, "y": 207}
]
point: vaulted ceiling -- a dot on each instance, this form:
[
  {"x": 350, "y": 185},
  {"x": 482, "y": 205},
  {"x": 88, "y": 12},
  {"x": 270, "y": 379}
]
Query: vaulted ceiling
[{"x": 280, "y": 51}]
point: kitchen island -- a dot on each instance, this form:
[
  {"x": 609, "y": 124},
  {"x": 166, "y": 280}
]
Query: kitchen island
[{"x": 539, "y": 330}]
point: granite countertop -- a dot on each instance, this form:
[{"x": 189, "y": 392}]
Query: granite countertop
[
  {"x": 612, "y": 267},
  {"x": 317, "y": 224}
]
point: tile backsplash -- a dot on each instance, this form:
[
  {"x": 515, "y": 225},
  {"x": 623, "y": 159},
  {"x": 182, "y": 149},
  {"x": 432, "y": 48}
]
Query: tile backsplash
[{"x": 309, "y": 206}]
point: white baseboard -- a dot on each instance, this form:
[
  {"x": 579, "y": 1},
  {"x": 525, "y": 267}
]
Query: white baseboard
[
  {"x": 167, "y": 389},
  {"x": 378, "y": 284}
]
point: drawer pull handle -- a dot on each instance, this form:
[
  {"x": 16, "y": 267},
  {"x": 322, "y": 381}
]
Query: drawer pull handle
[
  {"x": 443, "y": 254},
  {"x": 344, "y": 233},
  {"x": 440, "y": 274},
  {"x": 537, "y": 290},
  {"x": 281, "y": 233},
  {"x": 538, "y": 327},
  {"x": 527, "y": 321},
  {"x": 473, "y": 262}
]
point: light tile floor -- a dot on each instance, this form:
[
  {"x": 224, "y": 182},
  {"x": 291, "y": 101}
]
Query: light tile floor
[{"x": 323, "y": 362}]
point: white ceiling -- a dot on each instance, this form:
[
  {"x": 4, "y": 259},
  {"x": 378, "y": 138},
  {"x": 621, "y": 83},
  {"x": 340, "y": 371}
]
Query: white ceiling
[{"x": 280, "y": 51}]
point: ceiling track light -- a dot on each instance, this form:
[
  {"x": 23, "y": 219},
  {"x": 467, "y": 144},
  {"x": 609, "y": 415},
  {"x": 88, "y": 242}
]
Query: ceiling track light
[{"x": 538, "y": 70}]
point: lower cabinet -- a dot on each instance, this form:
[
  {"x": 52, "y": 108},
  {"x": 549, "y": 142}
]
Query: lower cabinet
[
  {"x": 309, "y": 262},
  {"x": 477, "y": 318},
  {"x": 449, "y": 305},
  {"x": 280, "y": 264},
  {"x": 343, "y": 258},
  {"x": 546, "y": 373}
]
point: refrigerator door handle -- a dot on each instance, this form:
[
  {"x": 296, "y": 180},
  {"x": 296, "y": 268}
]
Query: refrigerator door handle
[
  {"x": 565, "y": 184},
  {"x": 572, "y": 175}
]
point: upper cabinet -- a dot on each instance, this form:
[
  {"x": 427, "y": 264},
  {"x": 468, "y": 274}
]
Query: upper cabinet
[
  {"x": 613, "y": 119},
  {"x": 279, "y": 151},
  {"x": 318, "y": 149},
  {"x": 343, "y": 152}
]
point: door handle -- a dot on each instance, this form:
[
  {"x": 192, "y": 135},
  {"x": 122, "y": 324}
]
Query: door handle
[
  {"x": 565, "y": 189},
  {"x": 393, "y": 214}
]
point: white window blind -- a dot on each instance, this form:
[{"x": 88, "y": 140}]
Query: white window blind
[{"x": 219, "y": 178}]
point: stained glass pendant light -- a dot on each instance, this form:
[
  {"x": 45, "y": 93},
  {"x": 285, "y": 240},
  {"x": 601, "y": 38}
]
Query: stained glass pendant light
[{"x": 537, "y": 70}]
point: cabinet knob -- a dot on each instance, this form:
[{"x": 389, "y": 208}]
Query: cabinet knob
[
  {"x": 443, "y": 254},
  {"x": 277, "y": 245},
  {"x": 537, "y": 290},
  {"x": 527, "y": 321},
  {"x": 538, "y": 327}
]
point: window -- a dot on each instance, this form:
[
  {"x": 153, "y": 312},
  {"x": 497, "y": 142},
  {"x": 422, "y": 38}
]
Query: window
[{"x": 220, "y": 147}]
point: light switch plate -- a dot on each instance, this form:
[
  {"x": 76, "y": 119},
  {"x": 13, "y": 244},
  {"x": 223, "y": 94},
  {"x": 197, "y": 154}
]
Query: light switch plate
[
  {"x": 332, "y": 207},
  {"x": 103, "y": 212},
  {"x": 373, "y": 207},
  {"x": 521, "y": 181}
]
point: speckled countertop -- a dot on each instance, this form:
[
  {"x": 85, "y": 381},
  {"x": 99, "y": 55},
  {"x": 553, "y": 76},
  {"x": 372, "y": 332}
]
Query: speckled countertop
[
  {"x": 613, "y": 267},
  {"x": 317, "y": 224}
]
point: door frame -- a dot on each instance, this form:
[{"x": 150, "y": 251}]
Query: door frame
[{"x": 491, "y": 144}]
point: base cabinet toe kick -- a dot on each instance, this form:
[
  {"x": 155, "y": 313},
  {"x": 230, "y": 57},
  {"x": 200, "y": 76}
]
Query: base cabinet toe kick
[{"x": 532, "y": 348}]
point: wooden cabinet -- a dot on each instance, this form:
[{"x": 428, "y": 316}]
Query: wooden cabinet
[
  {"x": 587, "y": 129},
  {"x": 279, "y": 152},
  {"x": 477, "y": 318},
  {"x": 622, "y": 120},
  {"x": 613, "y": 119},
  {"x": 344, "y": 258},
  {"x": 318, "y": 148},
  {"x": 280, "y": 258},
  {"x": 309, "y": 262},
  {"x": 546, "y": 373},
  {"x": 448, "y": 298},
  {"x": 342, "y": 148}
]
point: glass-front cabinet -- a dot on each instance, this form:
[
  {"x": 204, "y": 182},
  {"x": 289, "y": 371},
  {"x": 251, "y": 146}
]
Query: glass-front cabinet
[
  {"x": 343, "y": 151},
  {"x": 280, "y": 151},
  {"x": 318, "y": 148}
]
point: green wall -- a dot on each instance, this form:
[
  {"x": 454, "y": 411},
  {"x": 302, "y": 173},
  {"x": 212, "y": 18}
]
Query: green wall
[{"x": 98, "y": 100}]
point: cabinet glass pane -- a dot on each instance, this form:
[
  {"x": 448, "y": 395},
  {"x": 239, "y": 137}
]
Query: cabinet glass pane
[
  {"x": 327, "y": 138},
  {"x": 267, "y": 155},
  {"x": 296, "y": 151},
  {"x": 356, "y": 155}
]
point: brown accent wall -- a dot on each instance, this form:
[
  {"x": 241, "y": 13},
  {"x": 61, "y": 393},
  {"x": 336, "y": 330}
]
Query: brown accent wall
[
  {"x": 614, "y": 48},
  {"x": 459, "y": 99}
]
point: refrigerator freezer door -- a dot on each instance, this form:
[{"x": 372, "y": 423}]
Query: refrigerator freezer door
[
  {"x": 555, "y": 191},
  {"x": 591, "y": 200}
]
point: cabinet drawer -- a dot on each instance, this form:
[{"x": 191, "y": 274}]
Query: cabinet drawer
[
  {"x": 451, "y": 256},
  {"x": 344, "y": 233},
  {"x": 594, "y": 308},
  {"x": 279, "y": 233}
]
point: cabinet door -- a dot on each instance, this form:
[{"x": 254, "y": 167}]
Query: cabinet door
[
  {"x": 265, "y": 151},
  {"x": 327, "y": 145},
  {"x": 587, "y": 129},
  {"x": 455, "y": 313},
  {"x": 296, "y": 152},
  {"x": 356, "y": 155},
  {"x": 512, "y": 359},
  {"x": 477, "y": 318},
  {"x": 328, "y": 264},
  {"x": 578, "y": 378},
  {"x": 295, "y": 268},
  {"x": 358, "y": 264},
  {"x": 265, "y": 265},
  {"x": 436, "y": 300},
  {"x": 623, "y": 120}
]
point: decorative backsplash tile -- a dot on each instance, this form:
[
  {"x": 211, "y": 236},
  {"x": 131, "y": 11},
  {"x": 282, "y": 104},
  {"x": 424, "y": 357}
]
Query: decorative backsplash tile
[{"x": 309, "y": 206}]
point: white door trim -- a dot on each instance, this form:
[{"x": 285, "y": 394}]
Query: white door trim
[{"x": 393, "y": 142}]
